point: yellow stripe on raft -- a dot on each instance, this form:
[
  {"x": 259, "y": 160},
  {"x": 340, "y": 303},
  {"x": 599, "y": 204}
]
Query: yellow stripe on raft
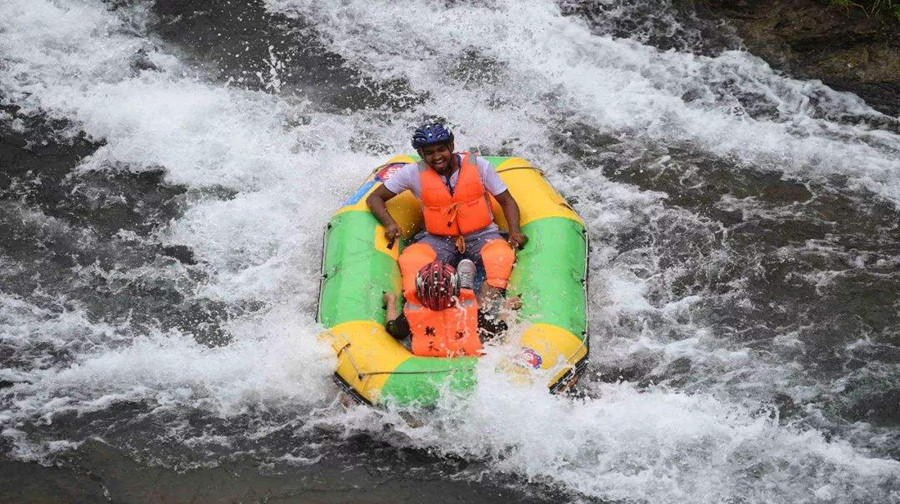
[
  {"x": 402, "y": 158},
  {"x": 367, "y": 354},
  {"x": 361, "y": 204},
  {"x": 404, "y": 208},
  {"x": 364, "y": 347},
  {"x": 536, "y": 197},
  {"x": 556, "y": 346}
]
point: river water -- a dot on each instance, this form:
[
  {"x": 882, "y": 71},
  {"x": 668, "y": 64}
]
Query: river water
[{"x": 167, "y": 169}]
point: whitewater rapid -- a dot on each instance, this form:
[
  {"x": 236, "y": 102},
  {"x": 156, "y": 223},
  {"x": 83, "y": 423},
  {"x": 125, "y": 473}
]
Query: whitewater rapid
[{"x": 262, "y": 167}]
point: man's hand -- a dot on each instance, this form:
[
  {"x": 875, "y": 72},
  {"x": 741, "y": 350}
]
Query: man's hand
[
  {"x": 390, "y": 305},
  {"x": 391, "y": 232},
  {"x": 517, "y": 240},
  {"x": 376, "y": 203}
]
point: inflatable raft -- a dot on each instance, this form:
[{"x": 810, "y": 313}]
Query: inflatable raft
[{"x": 550, "y": 275}]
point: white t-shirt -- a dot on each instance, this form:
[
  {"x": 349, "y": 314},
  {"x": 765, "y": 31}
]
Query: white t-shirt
[{"x": 407, "y": 177}]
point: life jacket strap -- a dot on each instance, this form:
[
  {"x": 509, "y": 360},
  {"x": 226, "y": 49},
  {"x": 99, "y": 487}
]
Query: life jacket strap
[{"x": 460, "y": 244}]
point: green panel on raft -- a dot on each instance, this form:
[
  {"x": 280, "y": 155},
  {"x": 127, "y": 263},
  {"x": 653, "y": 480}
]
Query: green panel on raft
[
  {"x": 355, "y": 273},
  {"x": 427, "y": 377},
  {"x": 550, "y": 273}
]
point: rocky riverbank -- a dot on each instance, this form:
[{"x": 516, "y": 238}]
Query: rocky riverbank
[{"x": 847, "y": 49}]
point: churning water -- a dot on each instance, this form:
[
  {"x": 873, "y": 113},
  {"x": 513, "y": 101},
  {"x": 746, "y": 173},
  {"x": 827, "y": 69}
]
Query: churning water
[{"x": 167, "y": 171}]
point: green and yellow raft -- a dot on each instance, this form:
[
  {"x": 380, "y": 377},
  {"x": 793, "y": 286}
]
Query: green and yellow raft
[{"x": 358, "y": 267}]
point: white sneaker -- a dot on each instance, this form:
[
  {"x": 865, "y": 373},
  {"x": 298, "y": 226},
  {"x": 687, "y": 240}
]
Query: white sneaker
[{"x": 466, "y": 271}]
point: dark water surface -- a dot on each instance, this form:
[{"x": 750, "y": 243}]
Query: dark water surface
[{"x": 166, "y": 169}]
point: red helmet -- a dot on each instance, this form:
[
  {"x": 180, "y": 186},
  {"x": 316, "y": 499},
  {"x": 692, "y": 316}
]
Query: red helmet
[{"x": 436, "y": 285}]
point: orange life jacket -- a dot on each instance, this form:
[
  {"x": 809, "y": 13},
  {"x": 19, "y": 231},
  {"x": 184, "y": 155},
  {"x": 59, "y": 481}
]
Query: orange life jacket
[
  {"x": 468, "y": 209},
  {"x": 446, "y": 333}
]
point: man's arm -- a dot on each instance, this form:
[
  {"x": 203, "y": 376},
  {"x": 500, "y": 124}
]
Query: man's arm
[
  {"x": 376, "y": 202},
  {"x": 511, "y": 212}
]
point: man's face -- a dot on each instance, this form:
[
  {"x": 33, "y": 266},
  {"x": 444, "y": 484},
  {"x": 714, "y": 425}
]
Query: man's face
[{"x": 438, "y": 156}]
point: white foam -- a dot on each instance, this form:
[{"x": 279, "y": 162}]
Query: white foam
[
  {"x": 23, "y": 324},
  {"x": 654, "y": 446},
  {"x": 73, "y": 60},
  {"x": 275, "y": 362},
  {"x": 615, "y": 85}
]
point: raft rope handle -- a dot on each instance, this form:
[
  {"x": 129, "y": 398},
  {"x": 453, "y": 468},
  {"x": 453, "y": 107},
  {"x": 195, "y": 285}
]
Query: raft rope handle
[
  {"x": 415, "y": 372},
  {"x": 360, "y": 375},
  {"x": 582, "y": 345},
  {"x": 322, "y": 274},
  {"x": 585, "y": 341},
  {"x": 512, "y": 168}
]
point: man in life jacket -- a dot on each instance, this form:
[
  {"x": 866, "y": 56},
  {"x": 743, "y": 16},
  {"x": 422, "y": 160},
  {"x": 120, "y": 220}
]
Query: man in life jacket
[
  {"x": 443, "y": 319},
  {"x": 453, "y": 189}
]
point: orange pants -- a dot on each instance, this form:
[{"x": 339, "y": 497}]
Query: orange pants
[{"x": 496, "y": 255}]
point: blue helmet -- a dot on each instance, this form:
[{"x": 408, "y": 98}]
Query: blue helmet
[{"x": 430, "y": 134}]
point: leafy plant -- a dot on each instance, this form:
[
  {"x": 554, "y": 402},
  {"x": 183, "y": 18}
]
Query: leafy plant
[
  {"x": 871, "y": 7},
  {"x": 845, "y": 4}
]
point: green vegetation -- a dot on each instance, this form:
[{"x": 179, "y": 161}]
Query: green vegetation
[{"x": 890, "y": 8}]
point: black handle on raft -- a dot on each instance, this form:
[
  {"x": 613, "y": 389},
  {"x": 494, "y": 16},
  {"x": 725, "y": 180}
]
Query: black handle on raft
[{"x": 391, "y": 242}]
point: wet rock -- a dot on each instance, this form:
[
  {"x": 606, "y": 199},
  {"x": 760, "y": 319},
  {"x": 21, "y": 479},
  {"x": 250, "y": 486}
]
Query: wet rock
[
  {"x": 849, "y": 50},
  {"x": 141, "y": 61},
  {"x": 183, "y": 254}
]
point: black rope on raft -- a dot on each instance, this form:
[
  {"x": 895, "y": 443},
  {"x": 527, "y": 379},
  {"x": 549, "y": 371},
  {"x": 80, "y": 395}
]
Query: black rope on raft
[{"x": 416, "y": 372}]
